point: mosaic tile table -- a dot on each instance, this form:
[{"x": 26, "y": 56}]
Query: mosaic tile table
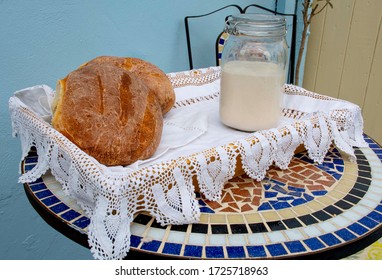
[{"x": 310, "y": 211}]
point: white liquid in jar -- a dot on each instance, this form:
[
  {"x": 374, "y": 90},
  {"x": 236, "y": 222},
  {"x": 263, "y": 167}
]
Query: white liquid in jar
[{"x": 251, "y": 94}]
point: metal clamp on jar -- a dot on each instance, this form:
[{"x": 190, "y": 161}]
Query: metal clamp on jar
[{"x": 253, "y": 71}]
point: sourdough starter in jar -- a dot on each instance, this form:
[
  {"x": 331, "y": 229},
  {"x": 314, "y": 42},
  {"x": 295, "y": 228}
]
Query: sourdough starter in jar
[
  {"x": 253, "y": 72},
  {"x": 251, "y": 94}
]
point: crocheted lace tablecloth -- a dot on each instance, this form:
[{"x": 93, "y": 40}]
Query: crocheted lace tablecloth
[{"x": 165, "y": 185}]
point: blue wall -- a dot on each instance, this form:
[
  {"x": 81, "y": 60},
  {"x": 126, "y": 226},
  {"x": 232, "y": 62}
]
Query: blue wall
[{"x": 40, "y": 42}]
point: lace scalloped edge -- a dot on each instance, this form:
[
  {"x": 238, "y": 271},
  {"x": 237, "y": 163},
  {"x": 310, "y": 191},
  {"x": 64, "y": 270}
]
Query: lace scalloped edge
[{"x": 166, "y": 190}]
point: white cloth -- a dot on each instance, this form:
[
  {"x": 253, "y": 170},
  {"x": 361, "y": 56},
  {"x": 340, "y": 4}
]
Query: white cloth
[{"x": 194, "y": 144}]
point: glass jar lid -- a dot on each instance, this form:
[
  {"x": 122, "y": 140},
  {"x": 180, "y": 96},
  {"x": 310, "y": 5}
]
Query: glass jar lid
[{"x": 261, "y": 25}]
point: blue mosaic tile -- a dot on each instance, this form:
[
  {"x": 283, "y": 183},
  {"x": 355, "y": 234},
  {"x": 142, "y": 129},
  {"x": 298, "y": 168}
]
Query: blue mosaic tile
[
  {"x": 50, "y": 200},
  {"x": 58, "y": 208},
  {"x": 338, "y": 162},
  {"x": 82, "y": 222},
  {"x": 358, "y": 229},
  {"x": 314, "y": 243},
  {"x": 367, "y": 139},
  {"x": 285, "y": 198},
  {"x": 319, "y": 193},
  {"x": 172, "y": 248},
  {"x": 307, "y": 159},
  {"x": 31, "y": 160},
  {"x": 38, "y": 187},
  {"x": 270, "y": 194},
  {"x": 214, "y": 252},
  {"x": 281, "y": 205},
  {"x": 295, "y": 246},
  {"x": 375, "y": 216},
  {"x": 298, "y": 201},
  {"x": 29, "y": 167},
  {"x": 368, "y": 222},
  {"x": 330, "y": 239},
  {"x": 235, "y": 252},
  {"x": 276, "y": 250},
  {"x": 308, "y": 197},
  {"x": 193, "y": 251},
  {"x": 379, "y": 208},
  {"x": 279, "y": 189},
  {"x": 201, "y": 202},
  {"x": 264, "y": 206},
  {"x": 345, "y": 234},
  {"x": 298, "y": 194},
  {"x": 135, "y": 241},
  {"x": 43, "y": 194},
  {"x": 336, "y": 175},
  {"x": 267, "y": 186},
  {"x": 340, "y": 168},
  {"x": 374, "y": 146},
  {"x": 152, "y": 246},
  {"x": 206, "y": 210},
  {"x": 38, "y": 181},
  {"x": 256, "y": 251},
  {"x": 70, "y": 215}
]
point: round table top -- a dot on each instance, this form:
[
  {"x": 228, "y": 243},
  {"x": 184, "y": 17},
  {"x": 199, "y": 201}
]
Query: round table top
[{"x": 309, "y": 211}]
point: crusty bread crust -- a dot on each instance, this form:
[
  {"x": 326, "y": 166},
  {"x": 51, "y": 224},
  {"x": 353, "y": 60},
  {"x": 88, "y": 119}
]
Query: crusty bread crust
[
  {"x": 110, "y": 113},
  {"x": 155, "y": 79}
]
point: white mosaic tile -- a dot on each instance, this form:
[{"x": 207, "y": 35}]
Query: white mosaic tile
[
  {"x": 294, "y": 234},
  {"x": 197, "y": 239},
  {"x": 257, "y": 239},
  {"x": 217, "y": 239},
  {"x": 372, "y": 198},
  {"x": 376, "y": 187},
  {"x": 236, "y": 239},
  {"x": 352, "y": 215},
  {"x": 340, "y": 221},
  {"x": 376, "y": 175},
  {"x": 312, "y": 231},
  {"x": 362, "y": 209},
  {"x": 327, "y": 226},
  {"x": 176, "y": 236},
  {"x": 276, "y": 237},
  {"x": 156, "y": 233},
  {"x": 137, "y": 229}
]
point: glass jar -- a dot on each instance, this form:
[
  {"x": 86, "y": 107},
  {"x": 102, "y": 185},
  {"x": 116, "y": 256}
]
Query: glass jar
[{"x": 253, "y": 71}]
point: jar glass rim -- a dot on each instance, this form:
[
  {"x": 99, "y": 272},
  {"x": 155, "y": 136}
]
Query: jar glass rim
[
  {"x": 256, "y": 25},
  {"x": 259, "y": 18}
]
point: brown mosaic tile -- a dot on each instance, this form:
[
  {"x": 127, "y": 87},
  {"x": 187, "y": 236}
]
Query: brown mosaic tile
[
  {"x": 307, "y": 172},
  {"x": 240, "y": 192},
  {"x": 246, "y": 207},
  {"x": 234, "y": 205},
  {"x": 227, "y": 198},
  {"x": 297, "y": 176},
  {"x": 228, "y": 209},
  {"x": 256, "y": 201},
  {"x": 257, "y": 192},
  {"x": 315, "y": 187},
  {"x": 297, "y": 168},
  {"x": 326, "y": 183},
  {"x": 213, "y": 204}
]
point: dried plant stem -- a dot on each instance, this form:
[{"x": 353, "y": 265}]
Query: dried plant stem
[{"x": 307, "y": 19}]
